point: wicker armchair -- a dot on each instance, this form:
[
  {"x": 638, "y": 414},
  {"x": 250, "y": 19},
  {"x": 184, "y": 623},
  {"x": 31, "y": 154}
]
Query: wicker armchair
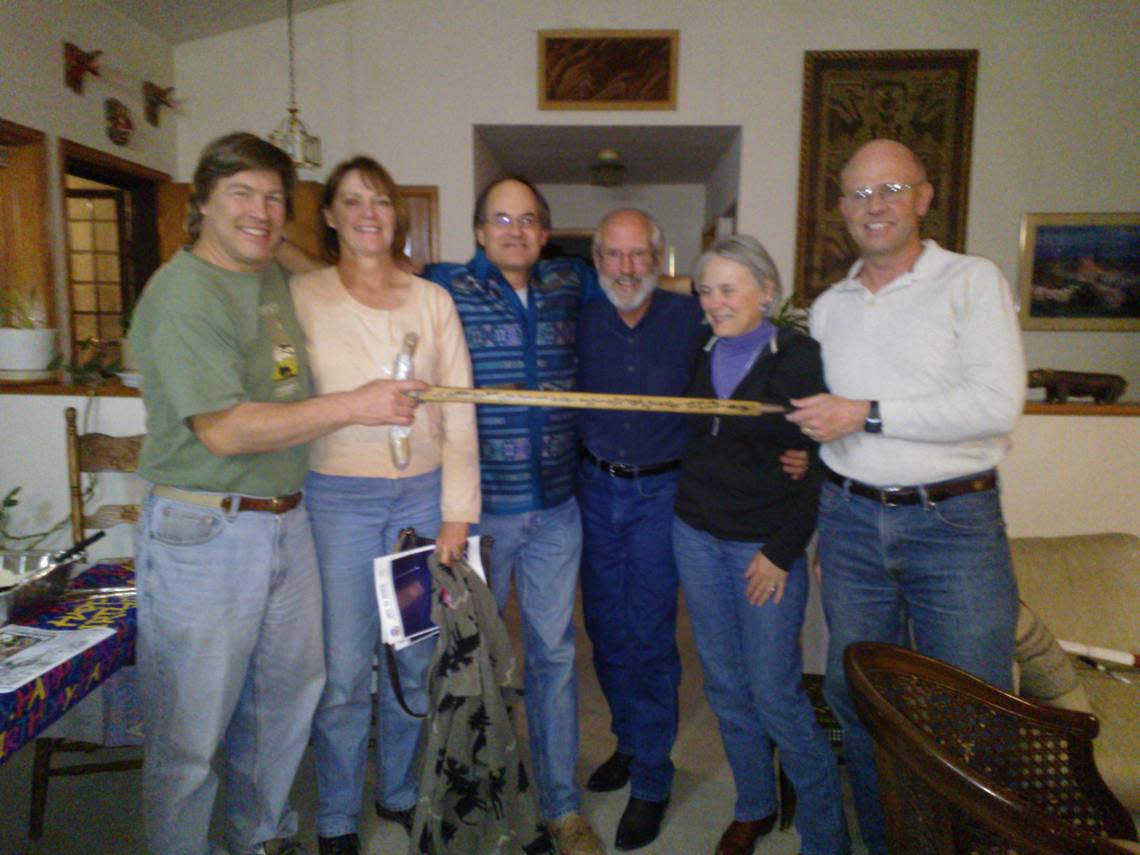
[{"x": 967, "y": 768}]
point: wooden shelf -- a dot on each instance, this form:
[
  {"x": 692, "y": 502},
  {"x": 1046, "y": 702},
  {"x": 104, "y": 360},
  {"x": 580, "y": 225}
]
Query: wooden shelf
[
  {"x": 1123, "y": 408},
  {"x": 110, "y": 389}
]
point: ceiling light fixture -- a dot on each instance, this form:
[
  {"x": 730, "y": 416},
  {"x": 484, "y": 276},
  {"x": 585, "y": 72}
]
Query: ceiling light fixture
[
  {"x": 607, "y": 170},
  {"x": 291, "y": 135}
]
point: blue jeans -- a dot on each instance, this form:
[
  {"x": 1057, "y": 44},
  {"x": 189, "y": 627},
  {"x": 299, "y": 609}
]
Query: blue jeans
[
  {"x": 354, "y": 521},
  {"x": 541, "y": 550},
  {"x": 229, "y": 655},
  {"x": 754, "y": 683},
  {"x": 946, "y": 567},
  {"x": 629, "y": 601}
]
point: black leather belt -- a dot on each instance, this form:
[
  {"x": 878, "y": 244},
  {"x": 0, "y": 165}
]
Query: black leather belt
[
  {"x": 621, "y": 470},
  {"x": 918, "y": 494}
]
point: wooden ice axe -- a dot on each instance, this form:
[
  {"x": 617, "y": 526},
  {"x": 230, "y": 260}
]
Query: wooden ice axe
[{"x": 596, "y": 401}]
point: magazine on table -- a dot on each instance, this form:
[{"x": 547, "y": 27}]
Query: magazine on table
[
  {"x": 403, "y": 593},
  {"x": 28, "y": 652}
]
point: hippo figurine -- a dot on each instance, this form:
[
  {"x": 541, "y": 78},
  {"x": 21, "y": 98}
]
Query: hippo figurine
[{"x": 1059, "y": 385}]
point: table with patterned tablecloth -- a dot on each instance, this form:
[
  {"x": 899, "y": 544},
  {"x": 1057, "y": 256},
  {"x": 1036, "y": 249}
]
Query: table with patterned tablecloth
[{"x": 32, "y": 708}]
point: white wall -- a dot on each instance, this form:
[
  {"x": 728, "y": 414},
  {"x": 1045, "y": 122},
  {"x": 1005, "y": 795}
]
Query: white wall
[
  {"x": 1056, "y": 122},
  {"x": 679, "y": 208},
  {"x": 32, "y": 91},
  {"x": 1073, "y": 475},
  {"x": 723, "y": 185}
]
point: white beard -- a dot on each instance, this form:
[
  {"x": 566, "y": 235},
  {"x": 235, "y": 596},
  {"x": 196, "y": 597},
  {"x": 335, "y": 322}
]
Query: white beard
[{"x": 634, "y": 302}]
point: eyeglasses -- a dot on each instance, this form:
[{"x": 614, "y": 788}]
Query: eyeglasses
[
  {"x": 637, "y": 257},
  {"x": 505, "y": 221},
  {"x": 888, "y": 192}
]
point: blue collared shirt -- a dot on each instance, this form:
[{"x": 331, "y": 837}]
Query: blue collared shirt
[{"x": 652, "y": 358}]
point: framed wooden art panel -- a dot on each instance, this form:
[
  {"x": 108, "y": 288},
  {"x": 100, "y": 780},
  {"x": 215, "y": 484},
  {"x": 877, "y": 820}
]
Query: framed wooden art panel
[
  {"x": 923, "y": 99},
  {"x": 1080, "y": 272},
  {"x": 607, "y": 69}
]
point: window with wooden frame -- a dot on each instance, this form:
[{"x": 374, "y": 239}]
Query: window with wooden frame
[{"x": 111, "y": 237}]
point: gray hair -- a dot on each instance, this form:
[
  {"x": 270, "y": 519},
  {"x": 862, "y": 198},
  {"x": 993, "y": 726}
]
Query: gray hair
[
  {"x": 656, "y": 233},
  {"x": 746, "y": 251}
]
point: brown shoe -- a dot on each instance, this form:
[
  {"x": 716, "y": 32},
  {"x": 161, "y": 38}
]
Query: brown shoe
[
  {"x": 740, "y": 837},
  {"x": 575, "y": 836}
]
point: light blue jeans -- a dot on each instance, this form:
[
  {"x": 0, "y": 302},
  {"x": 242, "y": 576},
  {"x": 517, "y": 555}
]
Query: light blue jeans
[
  {"x": 754, "y": 683},
  {"x": 946, "y": 567},
  {"x": 354, "y": 521},
  {"x": 541, "y": 550},
  {"x": 229, "y": 655}
]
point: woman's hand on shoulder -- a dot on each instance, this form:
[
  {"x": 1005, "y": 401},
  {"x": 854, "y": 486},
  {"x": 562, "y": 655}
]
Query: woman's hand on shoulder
[
  {"x": 794, "y": 462},
  {"x": 766, "y": 581}
]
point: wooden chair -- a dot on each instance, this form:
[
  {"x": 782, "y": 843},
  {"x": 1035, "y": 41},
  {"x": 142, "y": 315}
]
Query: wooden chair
[
  {"x": 86, "y": 453},
  {"x": 965, "y": 767}
]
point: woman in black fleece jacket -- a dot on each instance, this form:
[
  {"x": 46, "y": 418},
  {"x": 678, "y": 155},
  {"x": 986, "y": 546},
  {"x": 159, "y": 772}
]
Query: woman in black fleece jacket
[{"x": 739, "y": 534}]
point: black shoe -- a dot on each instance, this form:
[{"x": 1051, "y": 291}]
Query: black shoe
[
  {"x": 611, "y": 775},
  {"x": 344, "y": 844},
  {"x": 640, "y": 823},
  {"x": 403, "y": 817}
]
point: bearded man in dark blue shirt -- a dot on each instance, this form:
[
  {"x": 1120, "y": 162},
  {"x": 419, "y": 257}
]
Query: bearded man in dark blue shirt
[{"x": 639, "y": 341}]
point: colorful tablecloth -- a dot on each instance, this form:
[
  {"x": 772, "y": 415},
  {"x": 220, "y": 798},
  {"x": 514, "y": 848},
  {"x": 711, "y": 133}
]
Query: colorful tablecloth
[{"x": 28, "y": 711}]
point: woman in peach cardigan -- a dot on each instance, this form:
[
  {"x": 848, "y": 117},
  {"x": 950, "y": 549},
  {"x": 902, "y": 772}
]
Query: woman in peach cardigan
[{"x": 355, "y": 315}]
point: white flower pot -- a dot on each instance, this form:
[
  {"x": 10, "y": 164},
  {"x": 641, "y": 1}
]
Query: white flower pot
[{"x": 25, "y": 352}]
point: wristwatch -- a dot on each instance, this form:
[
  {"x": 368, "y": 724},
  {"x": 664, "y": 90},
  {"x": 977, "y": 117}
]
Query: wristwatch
[{"x": 874, "y": 423}]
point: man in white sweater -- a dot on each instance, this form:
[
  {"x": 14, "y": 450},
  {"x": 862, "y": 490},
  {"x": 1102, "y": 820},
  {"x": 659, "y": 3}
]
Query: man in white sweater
[{"x": 922, "y": 354}]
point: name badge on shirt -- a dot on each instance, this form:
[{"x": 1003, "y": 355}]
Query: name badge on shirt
[{"x": 285, "y": 365}]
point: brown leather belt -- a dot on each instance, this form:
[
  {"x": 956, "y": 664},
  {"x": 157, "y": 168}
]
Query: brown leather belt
[
  {"x": 622, "y": 470},
  {"x": 227, "y": 502},
  {"x": 920, "y": 493}
]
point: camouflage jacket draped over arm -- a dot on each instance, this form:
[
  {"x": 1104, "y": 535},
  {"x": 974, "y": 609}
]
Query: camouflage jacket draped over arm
[{"x": 476, "y": 793}]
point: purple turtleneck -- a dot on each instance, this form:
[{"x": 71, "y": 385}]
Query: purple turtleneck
[{"x": 733, "y": 357}]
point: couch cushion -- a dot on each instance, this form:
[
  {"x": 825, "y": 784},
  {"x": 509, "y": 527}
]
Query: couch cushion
[
  {"x": 1117, "y": 746},
  {"x": 1086, "y": 588}
]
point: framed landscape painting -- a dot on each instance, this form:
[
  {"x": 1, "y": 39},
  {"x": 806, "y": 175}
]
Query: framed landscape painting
[{"x": 1080, "y": 271}]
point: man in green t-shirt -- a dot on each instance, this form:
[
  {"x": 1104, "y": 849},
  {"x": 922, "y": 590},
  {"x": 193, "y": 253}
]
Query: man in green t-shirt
[{"x": 229, "y": 647}]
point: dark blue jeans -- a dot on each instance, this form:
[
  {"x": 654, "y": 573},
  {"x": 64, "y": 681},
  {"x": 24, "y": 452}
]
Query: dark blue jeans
[
  {"x": 946, "y": 568},
  {"x": 629, "y": 602}
]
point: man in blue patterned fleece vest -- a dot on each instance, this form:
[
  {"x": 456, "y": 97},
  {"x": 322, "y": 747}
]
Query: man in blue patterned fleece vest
[{"x": 520, "y": 315}]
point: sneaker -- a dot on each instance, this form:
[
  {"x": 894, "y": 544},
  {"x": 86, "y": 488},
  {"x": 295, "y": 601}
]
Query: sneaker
[
  {"x": 402, "y": 817},
  {"x": 342, "y": 844},
  {"x": 575, "y": 836}
]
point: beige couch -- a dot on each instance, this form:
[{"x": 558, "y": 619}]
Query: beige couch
[{"x": 1086, "y": 589}]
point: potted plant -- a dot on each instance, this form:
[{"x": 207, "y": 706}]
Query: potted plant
[{"x": 27, "y": 347}]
